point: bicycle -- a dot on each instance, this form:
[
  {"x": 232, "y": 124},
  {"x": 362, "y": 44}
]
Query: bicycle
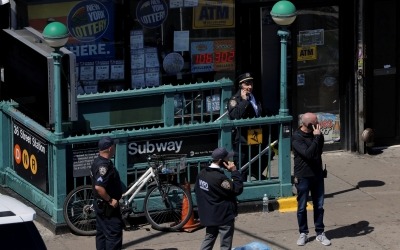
[{"x": 167, "y": 206}]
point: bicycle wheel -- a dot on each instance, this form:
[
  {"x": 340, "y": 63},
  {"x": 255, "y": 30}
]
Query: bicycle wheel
[
  {"x": 168, "y": 210},
  {"x": 78, "y": 211}
]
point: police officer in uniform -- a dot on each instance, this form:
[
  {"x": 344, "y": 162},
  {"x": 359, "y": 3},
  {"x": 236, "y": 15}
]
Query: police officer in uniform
[
  {"x": 243, "y": 105},
  {"x": 107, "y": 189},
  {"x": 216, "y": 199}
]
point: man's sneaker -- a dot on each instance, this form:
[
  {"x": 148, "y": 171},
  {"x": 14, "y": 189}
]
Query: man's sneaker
[
  {"x": 322, "y": 238},
  {"x": 302, "y": 239}
]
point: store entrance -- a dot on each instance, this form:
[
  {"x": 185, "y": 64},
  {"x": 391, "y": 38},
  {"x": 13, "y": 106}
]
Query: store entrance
[
  {"x": 384, "y": 91},
  {"x": 258, "y": 52}
]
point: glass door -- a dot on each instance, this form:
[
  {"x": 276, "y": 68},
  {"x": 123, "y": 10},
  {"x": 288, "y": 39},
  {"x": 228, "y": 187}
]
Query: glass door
[{"x": 317, "y": 68}]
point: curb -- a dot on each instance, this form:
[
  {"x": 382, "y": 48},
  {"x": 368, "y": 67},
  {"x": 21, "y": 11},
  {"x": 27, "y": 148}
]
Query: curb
[{"x": 289, "y": 204}]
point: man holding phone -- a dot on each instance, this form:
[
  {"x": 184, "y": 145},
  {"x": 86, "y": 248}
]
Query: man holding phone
[
  {"x": 216, "y": 199},
  {"x": 307, "y": 143}
]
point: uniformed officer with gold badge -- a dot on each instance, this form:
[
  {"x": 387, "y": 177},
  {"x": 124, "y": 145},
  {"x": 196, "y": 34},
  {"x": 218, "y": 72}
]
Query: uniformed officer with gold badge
[
  {"x": 243, "y": 104},
  {"x": 107, "y": 189},
  {"x": 216, "y": 199}
]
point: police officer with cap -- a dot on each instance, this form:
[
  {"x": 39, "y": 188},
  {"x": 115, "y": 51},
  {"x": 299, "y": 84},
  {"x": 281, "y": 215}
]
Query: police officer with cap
[
  {"x": 216, "y": 199},
  {"x": 243, "y": 104},
  {"x": 107, "y": 189}
]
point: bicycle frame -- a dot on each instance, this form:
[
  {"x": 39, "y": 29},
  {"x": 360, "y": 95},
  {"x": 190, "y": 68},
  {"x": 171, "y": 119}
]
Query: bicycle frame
[{"x": 150, "y": 173}]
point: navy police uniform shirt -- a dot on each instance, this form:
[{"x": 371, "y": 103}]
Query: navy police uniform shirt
[
  {"x": 239, "y": 108},
  {"x": 216, "y": 195},
  {"x": 105, "y": 175}
]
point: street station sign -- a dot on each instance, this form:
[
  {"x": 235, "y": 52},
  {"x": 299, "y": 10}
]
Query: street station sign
[{"x": 30, "y": 156}]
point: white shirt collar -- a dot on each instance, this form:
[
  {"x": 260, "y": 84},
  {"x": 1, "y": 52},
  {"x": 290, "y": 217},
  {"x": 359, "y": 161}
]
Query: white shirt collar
[{"x": 213, "y": 165}]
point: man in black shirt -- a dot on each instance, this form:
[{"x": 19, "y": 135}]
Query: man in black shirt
[
  {"x": 107, "y": 189},
  {"x": 307, "y": 143},
  {"x": 216, "y": 199}
]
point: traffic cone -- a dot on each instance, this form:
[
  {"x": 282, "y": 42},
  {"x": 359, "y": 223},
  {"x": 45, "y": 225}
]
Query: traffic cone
[{"x": 192, "y": 224}]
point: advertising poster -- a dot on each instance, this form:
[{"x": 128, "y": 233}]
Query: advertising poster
[
  {"x": 218, "y": 55},
  {"x": 330, "y": 126},
  {"x": 224, "y": 55},
  {"x": 214, "y": 14},
  {"x": 151, "y": 13},
  {"x": 202, "y": 56},
  {"x": 102, "y": 70},
  {"x": 173, "y": 63},
  {"x": 117, "y": 70}
]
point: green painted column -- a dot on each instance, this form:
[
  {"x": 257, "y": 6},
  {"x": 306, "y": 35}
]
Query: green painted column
[
  {"x": 121, "y": 159},
  {"x": 5, "y": 147},
  {"x": 58, "y": 181},
  {"x": 284, "y": 160}
]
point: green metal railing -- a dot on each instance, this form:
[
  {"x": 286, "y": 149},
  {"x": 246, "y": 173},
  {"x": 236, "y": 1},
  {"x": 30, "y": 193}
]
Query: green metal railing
[{"x": 172, "y": 122}]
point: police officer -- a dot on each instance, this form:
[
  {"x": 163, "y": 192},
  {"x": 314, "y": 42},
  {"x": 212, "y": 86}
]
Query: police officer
[
  {"x": 243, "y": 104},
  {"x": 107, "y": 189},
  {"x": 216, "y": 199}
]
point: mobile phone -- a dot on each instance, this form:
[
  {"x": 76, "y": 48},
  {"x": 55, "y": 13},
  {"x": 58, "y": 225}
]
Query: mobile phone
[{"x": 310, "y": 126}]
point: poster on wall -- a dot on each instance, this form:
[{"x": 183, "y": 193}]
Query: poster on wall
[
  {"x": 218, "y": 55},
  {"x": 330, "y": 126},
  {"x": 214, "y": 14},
  {"x": 90, "y": 24},
  {"x": 91, "y": 27},
  {"x": 151, "y": 13}
]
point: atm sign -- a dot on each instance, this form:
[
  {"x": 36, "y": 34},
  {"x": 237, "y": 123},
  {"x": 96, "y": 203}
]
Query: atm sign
[
  {"x": 30, "y": 156},
  {"x": 305, "y": 53},
  {"x": 214, "y": 14}
]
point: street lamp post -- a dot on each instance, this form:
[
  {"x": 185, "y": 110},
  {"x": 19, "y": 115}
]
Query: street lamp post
[
  {"x": 56, "y": 36},
  {"x": 283, "y": 13}
]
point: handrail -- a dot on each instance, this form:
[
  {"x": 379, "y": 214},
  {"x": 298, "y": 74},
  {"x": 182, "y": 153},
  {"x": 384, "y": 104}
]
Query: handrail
[{"x": 163, "y": 89}]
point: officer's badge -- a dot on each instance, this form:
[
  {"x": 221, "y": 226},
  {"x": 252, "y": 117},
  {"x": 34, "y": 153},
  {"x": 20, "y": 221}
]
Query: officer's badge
[
  {"x": 226, "y": 185},
  {"x": 232, "y": 103},
  {"x": 103, "y": 170}
]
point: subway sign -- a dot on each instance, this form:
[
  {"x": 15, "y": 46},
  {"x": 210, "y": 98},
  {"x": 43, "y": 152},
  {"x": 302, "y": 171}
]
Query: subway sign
[
  {"x": 30, "y": 156},
  {"x": 217, "y": 14},
  {"x": 192, "y": 146}
]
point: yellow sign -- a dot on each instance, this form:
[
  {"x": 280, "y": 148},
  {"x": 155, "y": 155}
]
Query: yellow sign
[
  {"x": 305, "y": 53},
  {"x": 213, "y": 14},
  {"x": 254, "y": 136}
]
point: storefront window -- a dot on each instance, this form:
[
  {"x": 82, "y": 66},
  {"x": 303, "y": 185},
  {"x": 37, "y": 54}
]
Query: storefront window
[
  {"x": 147, "y": 43},
  {"x": 318, "y": 67}
]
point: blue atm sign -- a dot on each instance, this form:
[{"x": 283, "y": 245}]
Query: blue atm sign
[{"x": 217, "y": 14}]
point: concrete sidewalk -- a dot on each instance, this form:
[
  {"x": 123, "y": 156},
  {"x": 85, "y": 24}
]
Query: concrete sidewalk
[{"x": 362, "y": 194}]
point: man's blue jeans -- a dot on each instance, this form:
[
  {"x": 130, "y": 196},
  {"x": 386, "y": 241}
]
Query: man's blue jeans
[{"x": 315, "y": 185}]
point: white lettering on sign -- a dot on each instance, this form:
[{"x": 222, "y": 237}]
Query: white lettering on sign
[
  {"x": 28, "y": 138},
  {"x": 89, "y": 49},
  {"x": 148, "y": 147},
  {"x": 153, "y": 18}
]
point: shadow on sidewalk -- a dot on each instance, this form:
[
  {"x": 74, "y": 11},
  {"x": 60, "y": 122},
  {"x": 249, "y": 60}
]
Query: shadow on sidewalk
[
  {"x": 354, "y": 230},
  {"x": 361, "y": 184}
]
